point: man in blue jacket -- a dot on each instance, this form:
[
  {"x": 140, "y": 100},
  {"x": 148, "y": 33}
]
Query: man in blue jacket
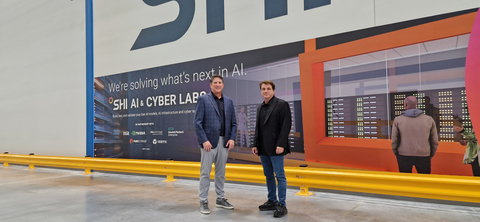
[{"x": 216, "y": 128}]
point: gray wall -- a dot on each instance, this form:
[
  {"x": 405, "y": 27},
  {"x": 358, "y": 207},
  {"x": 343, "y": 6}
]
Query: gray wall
[{"x": 42, "y": 77}]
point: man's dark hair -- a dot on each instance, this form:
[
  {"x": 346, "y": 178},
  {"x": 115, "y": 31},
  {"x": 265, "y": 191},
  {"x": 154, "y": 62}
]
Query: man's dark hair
[
  {"x": 267, "y": 82},
  {"x": 216, "y": 76}
]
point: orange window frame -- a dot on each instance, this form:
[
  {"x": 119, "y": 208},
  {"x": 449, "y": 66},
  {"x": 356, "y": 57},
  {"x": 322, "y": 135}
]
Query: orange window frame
[{"x": 373, "y": 154}]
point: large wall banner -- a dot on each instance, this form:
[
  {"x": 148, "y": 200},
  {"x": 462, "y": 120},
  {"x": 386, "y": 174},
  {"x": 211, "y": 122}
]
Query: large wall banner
[
  {"x": 344, "y": 67},
  {"x": 148, "y": 114}
]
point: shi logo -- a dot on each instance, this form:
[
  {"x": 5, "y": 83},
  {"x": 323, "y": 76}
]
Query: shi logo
[{"x": 215, "y": 21}]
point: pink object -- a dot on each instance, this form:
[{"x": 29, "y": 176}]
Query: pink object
[{"x": 472, "y": 74}]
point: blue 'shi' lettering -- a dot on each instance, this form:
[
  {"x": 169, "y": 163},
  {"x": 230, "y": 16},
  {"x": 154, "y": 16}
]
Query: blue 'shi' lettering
[
  {"x": 173, "y": 31},
  {"x": 167, "y": 32}
]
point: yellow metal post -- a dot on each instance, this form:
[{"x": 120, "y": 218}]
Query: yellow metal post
[
  {"x": 303, "y": 188},
  {"x": 169, "y": 178},
  {"x": 5, "y": 163},
  {"x": 30, "y": 165},
  {"x": 88, "y": 171},
  {"x": 304, "y": 191}
]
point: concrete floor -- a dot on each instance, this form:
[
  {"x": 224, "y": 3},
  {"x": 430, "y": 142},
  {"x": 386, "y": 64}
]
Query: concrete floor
[{"x": 46, "y": 194}]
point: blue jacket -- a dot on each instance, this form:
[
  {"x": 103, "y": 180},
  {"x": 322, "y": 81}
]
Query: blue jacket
[{"x": 207, "y": 120}]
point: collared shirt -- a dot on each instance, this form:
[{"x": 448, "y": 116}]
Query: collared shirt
[
  {"x": 264, "y": 109},
  {"x": 221, "y": 109}
]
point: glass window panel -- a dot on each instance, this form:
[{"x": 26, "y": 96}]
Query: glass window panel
[
  {"x": 285, "y": 74},
  {"x": 364, "y": 93}
]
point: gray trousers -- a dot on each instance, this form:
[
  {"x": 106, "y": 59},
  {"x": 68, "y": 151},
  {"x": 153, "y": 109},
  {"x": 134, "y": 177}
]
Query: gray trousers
[{"x": 219, "y": 156}]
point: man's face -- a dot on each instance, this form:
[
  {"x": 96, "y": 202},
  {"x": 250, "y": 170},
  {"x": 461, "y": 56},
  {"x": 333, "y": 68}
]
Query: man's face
[
  {"x": 427, "y": 100},
  {"x": 267, "y": 91},
  {"x": 216, "y": 86}
]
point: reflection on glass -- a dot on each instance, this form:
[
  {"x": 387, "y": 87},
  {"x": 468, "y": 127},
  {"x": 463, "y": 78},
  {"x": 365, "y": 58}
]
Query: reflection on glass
[
  {"x": 245, "y": 92},
  {"x": 364, "y": 93},
  {"x": 242, "y": 127}
]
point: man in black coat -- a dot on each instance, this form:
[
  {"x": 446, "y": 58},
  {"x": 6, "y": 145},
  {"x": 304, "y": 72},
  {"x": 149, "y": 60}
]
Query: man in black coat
[{"x": 274, "y": 121}]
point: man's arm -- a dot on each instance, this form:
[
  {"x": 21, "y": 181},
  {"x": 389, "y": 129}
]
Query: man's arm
[
  {"x": 286, "y": 124},
  {"x": 395, "y": 137},
  {"x": 233, "y": 136},
  {"x": 199, "y": 119},
  {"x": 433, "y": 139}
]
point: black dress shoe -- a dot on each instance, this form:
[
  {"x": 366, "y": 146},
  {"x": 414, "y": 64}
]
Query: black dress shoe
[
  {"x": 281, "y": 211},
  {"x": 269, "y": 205}
]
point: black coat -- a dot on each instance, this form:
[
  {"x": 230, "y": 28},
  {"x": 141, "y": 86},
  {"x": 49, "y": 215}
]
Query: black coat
[{"x": 276, "y": 128}]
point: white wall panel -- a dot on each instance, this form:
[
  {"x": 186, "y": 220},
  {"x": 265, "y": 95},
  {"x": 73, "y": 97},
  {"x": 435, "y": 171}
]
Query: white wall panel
[
  {"x": 393, "y": 11},
  {"x": 117, "y": 24},
  {"x": 42, "y": 71}
]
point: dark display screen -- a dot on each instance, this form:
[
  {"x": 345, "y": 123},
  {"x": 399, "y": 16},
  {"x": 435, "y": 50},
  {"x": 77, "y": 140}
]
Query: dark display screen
[{"x": 371, "y": 116}]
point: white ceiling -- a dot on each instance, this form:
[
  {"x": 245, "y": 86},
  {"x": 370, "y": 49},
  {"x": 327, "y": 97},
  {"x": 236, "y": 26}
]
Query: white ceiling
[{"x": 446, "y": 44}]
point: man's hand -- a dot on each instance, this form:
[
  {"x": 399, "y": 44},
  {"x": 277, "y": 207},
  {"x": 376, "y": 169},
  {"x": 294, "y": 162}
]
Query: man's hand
[
  {"x": 279, "y": 150},
  {"x": 458, "y": 128},
  {"x": 254, "y": 150},
  {"x": 207, "y": 146},
  {"x": 463, "y": 142},
  {"x": 230, "y": 144}
]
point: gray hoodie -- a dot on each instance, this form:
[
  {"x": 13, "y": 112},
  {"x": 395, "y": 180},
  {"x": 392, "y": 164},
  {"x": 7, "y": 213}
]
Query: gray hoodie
[{"x": 412, "y": 112}]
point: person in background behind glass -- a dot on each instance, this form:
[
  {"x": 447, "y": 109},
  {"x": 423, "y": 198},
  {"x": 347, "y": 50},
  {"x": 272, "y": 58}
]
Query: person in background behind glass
[
  {"x": 472, "y": 150},
  {"x": 432, "y": 111},
  {"x": 414, "y": 138},
  {"x": 242, "y": 127}
]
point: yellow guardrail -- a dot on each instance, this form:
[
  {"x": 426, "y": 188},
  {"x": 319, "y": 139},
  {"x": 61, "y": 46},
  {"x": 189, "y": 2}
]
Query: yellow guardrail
[{"x": 442, "y": 187}]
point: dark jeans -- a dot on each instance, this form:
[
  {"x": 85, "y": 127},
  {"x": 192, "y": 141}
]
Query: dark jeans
[
  {"x": 475, "y": 167},
  {"x": 274, "y": 164},
  {"x": 406, "y": 163}
]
